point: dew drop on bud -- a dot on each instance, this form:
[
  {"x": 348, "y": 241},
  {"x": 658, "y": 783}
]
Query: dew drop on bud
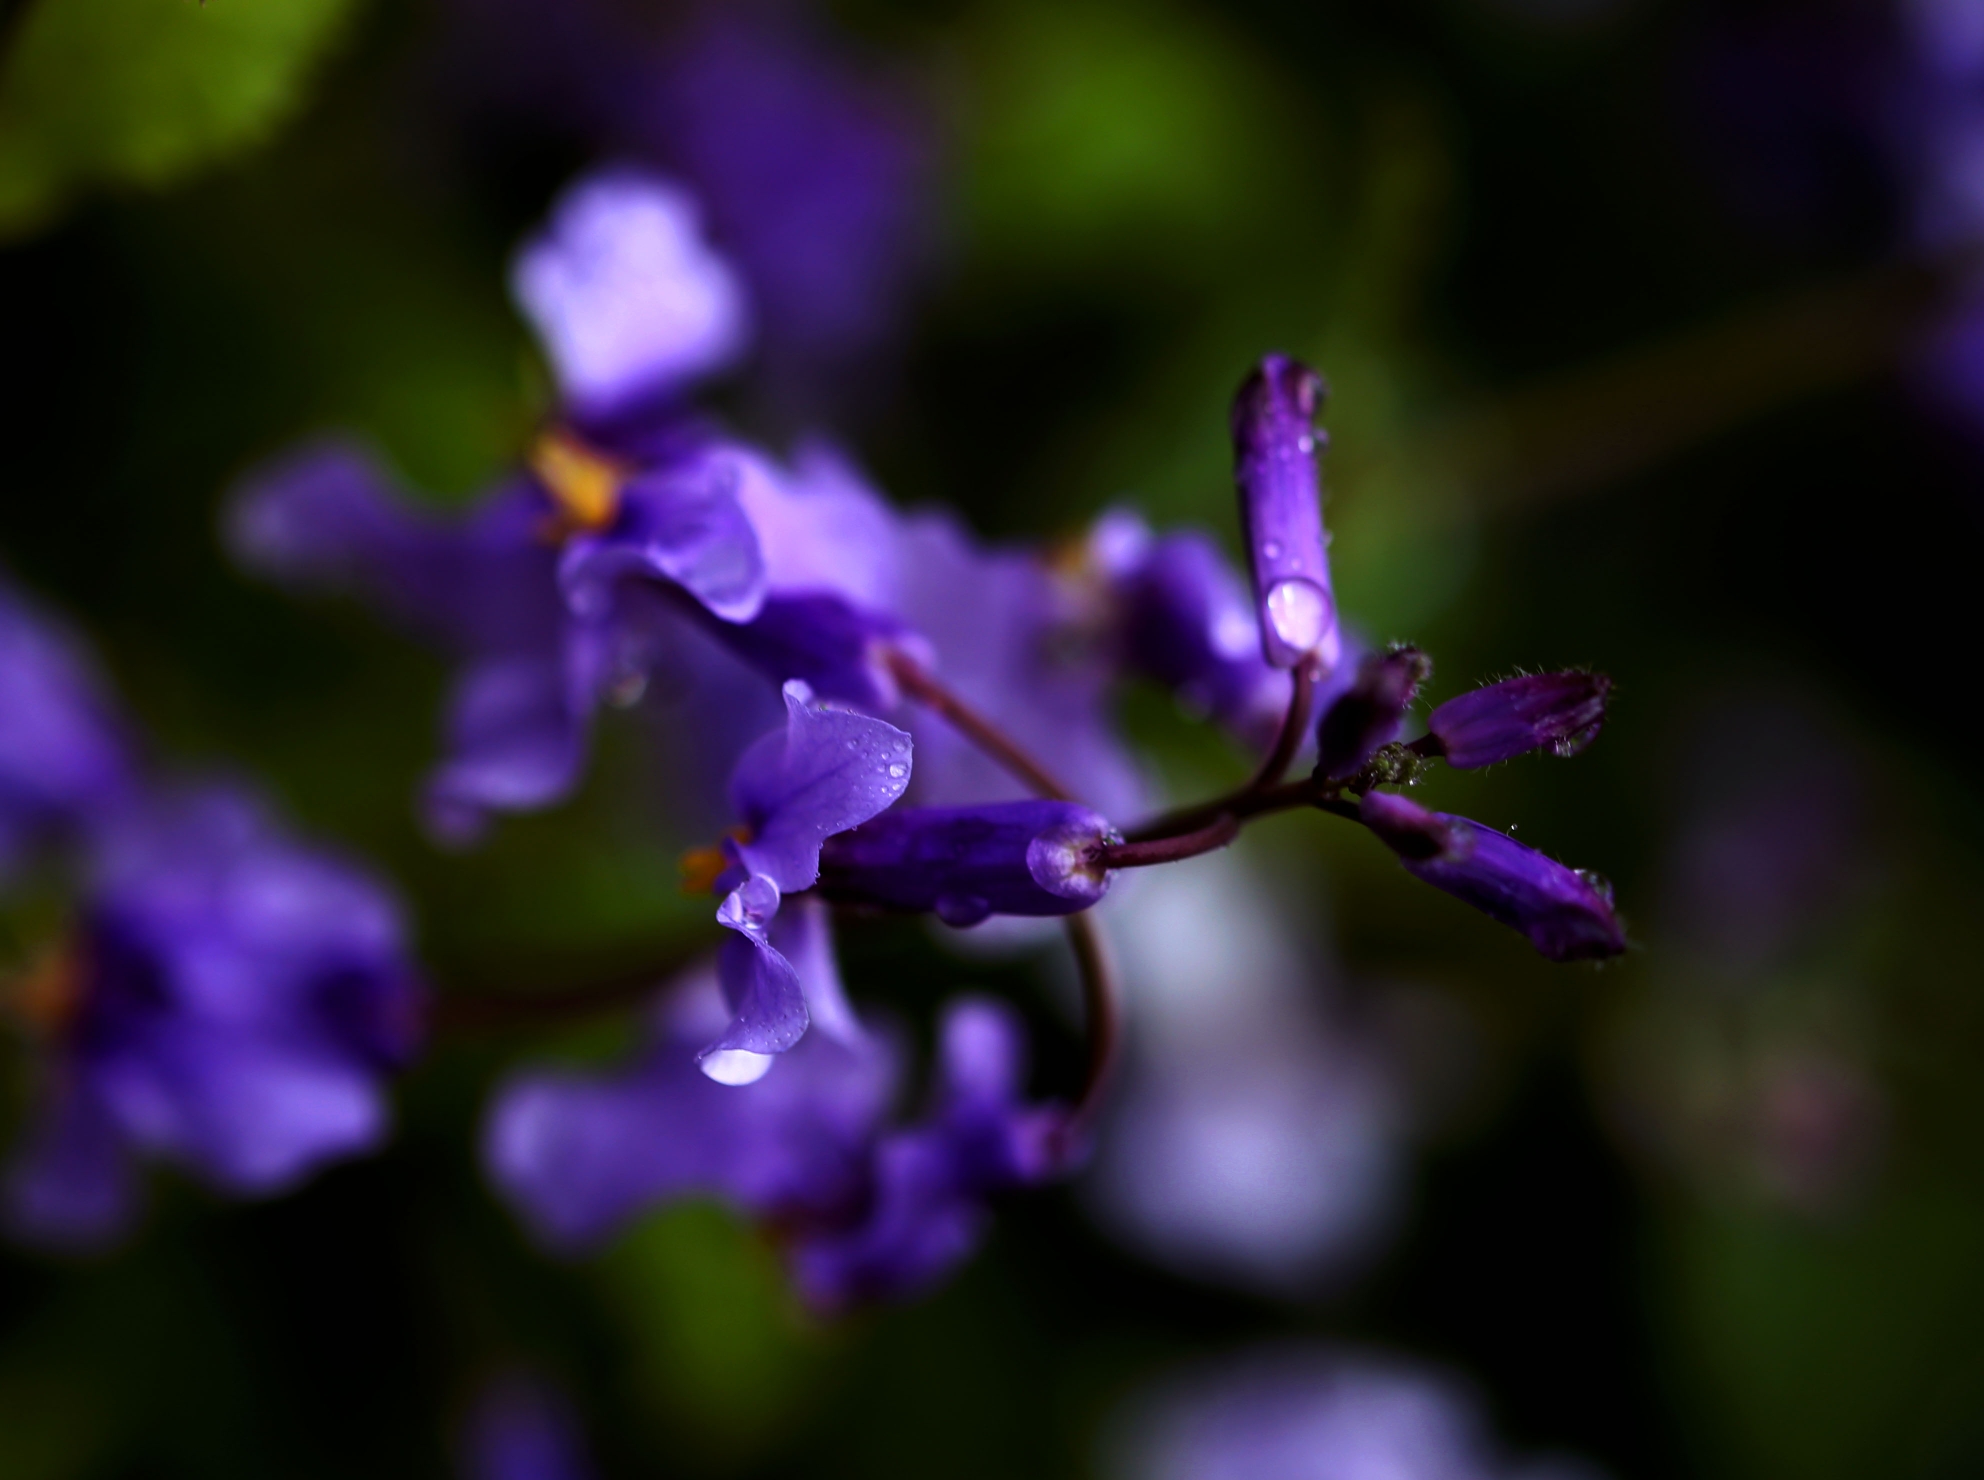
[
  {"x": 1298, "y": 612},
  {"x": 737, "y": 1066}
]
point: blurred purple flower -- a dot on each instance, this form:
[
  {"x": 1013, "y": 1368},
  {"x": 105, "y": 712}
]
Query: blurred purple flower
[
  {"x": 1185, "y": 622},
  {"x": 814, "y": 164},
  {"x": 627, "y": 299},
  {"x": 64, "y": 758},
  {"x": 521, "y": 1429},
  {"x": 1255, "y": 1141},
  {"x": 864, "y": 1212},
  {"x": 1313, "y": 1413},
  {"x": 231, "y": 1001}
]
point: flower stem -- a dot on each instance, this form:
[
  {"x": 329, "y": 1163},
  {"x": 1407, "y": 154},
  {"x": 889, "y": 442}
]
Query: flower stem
[
  {"x": 923, "y": 686},
  {"x": 1102, "y": 1005}
]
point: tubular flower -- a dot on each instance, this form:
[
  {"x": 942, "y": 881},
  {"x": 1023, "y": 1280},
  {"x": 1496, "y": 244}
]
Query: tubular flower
[
  {"x": 1281, "y": 513},
  {"x": 1562, "y": 712}
]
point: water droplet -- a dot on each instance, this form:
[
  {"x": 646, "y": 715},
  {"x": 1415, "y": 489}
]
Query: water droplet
[
  {"x": 738, "y": 1066},
  {"x": 1306, "y": 442},
  {"x": 1272, "y": 550},
  {"x": 898, "y": 772},
  {"x": 1298, "y": 613}
]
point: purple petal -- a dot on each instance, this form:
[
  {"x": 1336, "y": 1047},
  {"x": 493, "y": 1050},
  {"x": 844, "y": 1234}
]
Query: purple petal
[
  {"x": 825, "y": 772},
  {"x": 681, "y": 524},
  {"x": 627, "y": 298},
  {"x": 578, "y": 1157},
  {"x": 254, "y": 1113},
  {"x": 71, "y": 1184},
  {"x": 767, "y": 1003},
  {"x": 928, "y": 1207},
  {"x": 516, "y": 741},
  {"x": 837, "y": 650},
  {"x": 1188, "y": 625},
  {"x": 327, "y": 515},
  {"x": 63, "y": 756}
]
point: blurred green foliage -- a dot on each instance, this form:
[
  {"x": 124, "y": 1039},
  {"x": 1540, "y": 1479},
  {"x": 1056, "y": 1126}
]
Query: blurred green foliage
[{"x": 136, "y": 92}]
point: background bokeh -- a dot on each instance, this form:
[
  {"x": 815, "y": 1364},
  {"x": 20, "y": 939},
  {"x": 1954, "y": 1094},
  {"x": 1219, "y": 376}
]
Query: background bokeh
[{"x": 1619, "y": 377}]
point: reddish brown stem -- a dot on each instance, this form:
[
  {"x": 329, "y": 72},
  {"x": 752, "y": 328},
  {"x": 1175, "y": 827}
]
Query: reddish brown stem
[
  {"x": 1215, "y": 835},
  {"x": 1102, "y": 1007},
  {"x": 923, "y": 686}
]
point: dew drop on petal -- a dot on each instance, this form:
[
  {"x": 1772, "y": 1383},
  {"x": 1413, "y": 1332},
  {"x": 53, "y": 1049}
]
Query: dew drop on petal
[
  {"x": 737, "y": 1066},
  {"x": 1272, "y": 550},
  {"x": 897, "y": 772},
  {"x": 1298, "y": 612}
]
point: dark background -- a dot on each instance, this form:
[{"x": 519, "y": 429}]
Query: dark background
[{"x": 1608, "y": 389}]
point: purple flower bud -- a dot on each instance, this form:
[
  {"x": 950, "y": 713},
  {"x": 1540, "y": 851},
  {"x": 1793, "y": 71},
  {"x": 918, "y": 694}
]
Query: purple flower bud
[
  {"x": 1186, "y": 623},
  {"x": 1368, "y": 713},
  {"x": 1281, "y": 512},
  {"x": 966, "y": 863},
  {"x": 1564, "y": 711},
  {"x": 1567, "y": 914}
]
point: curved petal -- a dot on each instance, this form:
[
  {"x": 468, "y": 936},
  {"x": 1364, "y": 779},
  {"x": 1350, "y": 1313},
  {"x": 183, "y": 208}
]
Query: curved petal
[
  {"x": 682, "y": 525},
  {"x": 826, "y": 771}
]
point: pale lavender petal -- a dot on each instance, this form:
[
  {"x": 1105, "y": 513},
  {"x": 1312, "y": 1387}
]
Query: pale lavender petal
[
  {"x": 625, "y": 294},
  {"x": 515, "y": 741}
]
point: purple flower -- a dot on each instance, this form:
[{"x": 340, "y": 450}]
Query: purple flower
[
  {"x": 231, "y": 1002},
  {"x": 64, "y": 759},
  {"x": 1302, "y": 1412},
  {"x": 1563, "y": 711},
  {"x": 1281, "y": 512},
  {"x": 826, "y": 771},
  {"x": 563, "y": 588},
  {"x": 1186, "y": 623},
  {"x": 521, "y": 1429},
  {"x": 1567, "y": 914},
  {"x": 926, "y": 1208},
  {"x": 998, "y": 622},
  {"x": 865, "y": 1213},
  {"x": 1367, "y": 715},
  {"x": 813, "y": 163},
  {"x": 579, "y": 1156},
  {"x": 1254, "y": 1140},
  {"x": 965, "y": 864},
  {"x": 626, "y": 297}
]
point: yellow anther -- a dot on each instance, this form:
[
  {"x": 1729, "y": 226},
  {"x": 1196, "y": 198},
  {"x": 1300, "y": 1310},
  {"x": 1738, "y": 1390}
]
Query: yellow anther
[
  {"x": 583, "y": 483},
  {"x": 48, "y": 994},
  {"x": 702, "y": 867}
]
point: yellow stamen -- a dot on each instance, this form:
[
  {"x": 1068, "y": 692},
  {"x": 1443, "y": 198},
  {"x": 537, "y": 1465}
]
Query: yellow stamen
[
  {"x": 583, "y": 483},
  {"x": 702, "y": 867},
  {"x": 48, "y": 994}
]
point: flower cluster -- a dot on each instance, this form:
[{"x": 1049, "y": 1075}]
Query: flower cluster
[
  {"x": 911, "y": 723},
  {"x": 226, "y": 998}
]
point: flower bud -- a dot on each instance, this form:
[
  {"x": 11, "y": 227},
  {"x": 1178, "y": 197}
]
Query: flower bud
[
  {"x": 1566, "y": 913},
  {"x": 1281, "y": 512},
  {"x": 1368, "y": 713},
  {"x": 1563, "y": 711},
  {"x": 966, "y": 863}
]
